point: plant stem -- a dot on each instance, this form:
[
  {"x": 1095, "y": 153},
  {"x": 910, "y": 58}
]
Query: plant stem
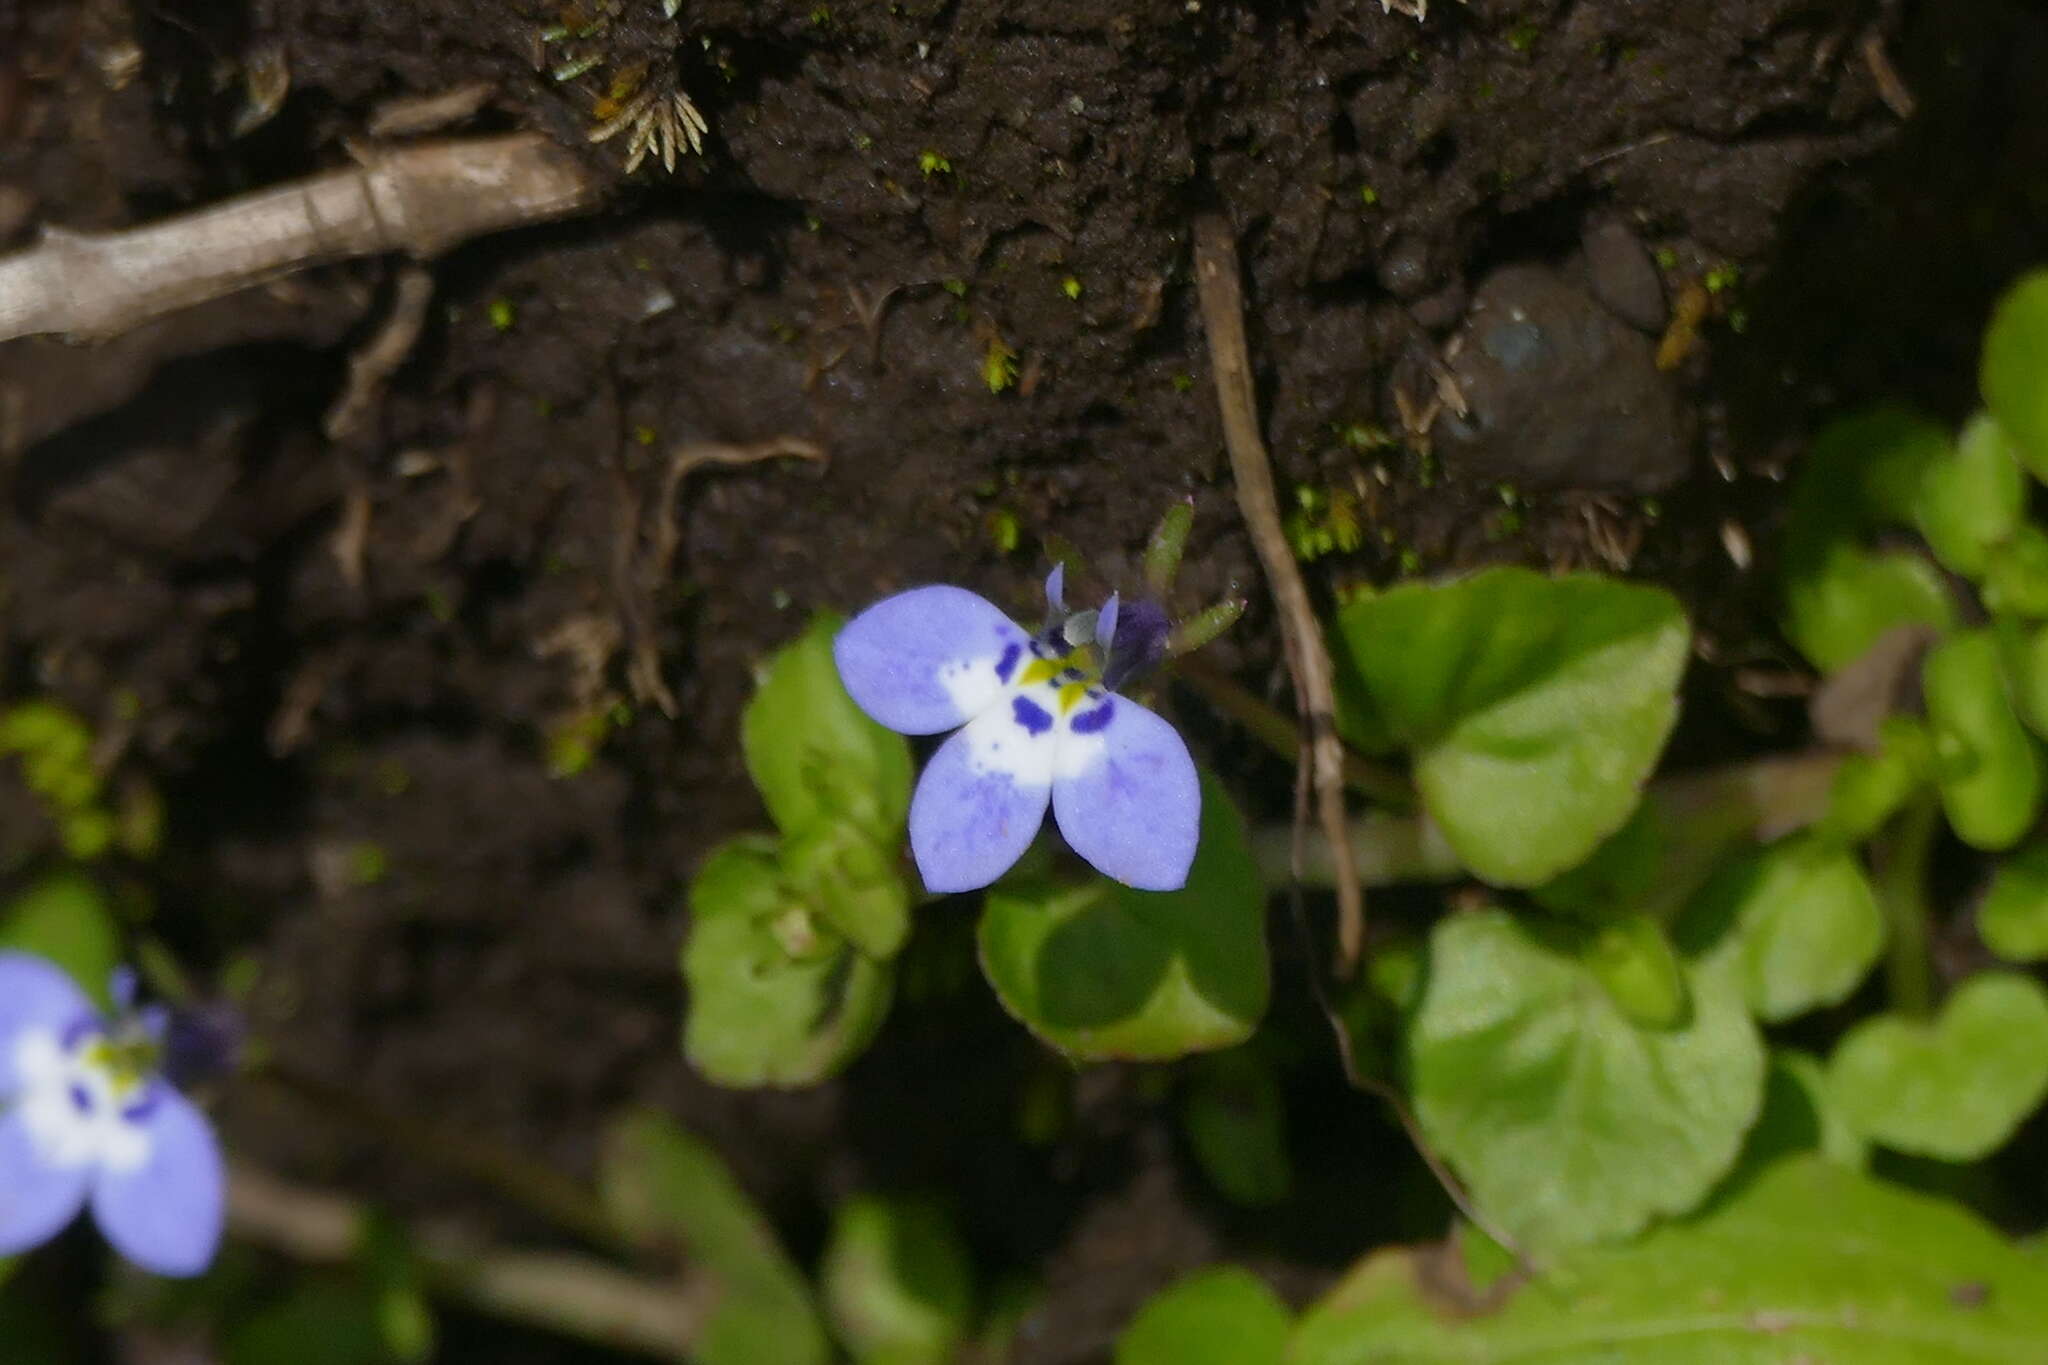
[
  {"x": 1277, "y": 731},
  {"x": 1900, "y": 861}
]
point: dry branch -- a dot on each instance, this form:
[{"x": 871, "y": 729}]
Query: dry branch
[
  {"x": 572, "y": 1294},
  {"x": 1216, "y": 280},
  {"x": 420, "y": 199}
]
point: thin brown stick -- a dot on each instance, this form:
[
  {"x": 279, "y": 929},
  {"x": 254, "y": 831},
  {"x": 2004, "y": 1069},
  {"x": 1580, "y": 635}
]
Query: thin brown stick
[
  {"x": 574, "y": 1295},
  {"x": 1216, "y": 278},
  {"x": 420, "y": 199}
]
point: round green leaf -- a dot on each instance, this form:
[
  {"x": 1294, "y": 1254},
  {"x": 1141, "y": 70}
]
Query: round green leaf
[
  {"x": 1870, "y": 788},
  {"x": 1103, "y": 970},
  {"x": 855, "y": 884},
  {"x": 2014, "y": 373},
  {"x": 2013, "y": 916},
  {"x": 1224, "y": 1316},
  {"x": 1535, "y": 707},
  {"x": 1956, "y": 1087},
  {"x": 65, "y": 919},
  {"x": 2016, "y": 575},
  {"x": 2025, "y": 650},
  {"x": 815, "y": 756},
  {"x": 896, "y": 1280},
  {"x": 1569, "y": 1123},
  {"x": 1988, "y": 771},
  {"x": 1807, "y": 1263},
  {"x": 1798, "y": 923},
  {"x": 775, "y": 998},
  {"x": 1973, "y": 498}
]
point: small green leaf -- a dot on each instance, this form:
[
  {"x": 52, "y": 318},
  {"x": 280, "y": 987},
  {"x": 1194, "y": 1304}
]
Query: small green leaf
[
  {"x": 1633, "y": 962},
  {"x": 1569, "y": 1123},
  {"x": 2025, "y": 651},
  {"x": 815, "y": 756},
  {"x": 1224, "y": 1316},
  {"x": 1102, "y": 971},
  {"x": 1163, "y": 551},
  {"x": 2014, "y": 374},
  {"x": 317, "y": 1323},
  {"x": 1863, "y": 471},
  {"x": 775, "y": 997},
  {"x": 1799, "y": 1116},
  {"x": 854, "y": 885},
  {"x": 65, "y": 919},
  {"x": 1870, "y": 788},
  {"x": 2012, "y": 919},
  {"x": 1237, "y": 1124},
  {"x": 2016, "y": 576},
  {"x": 1535, "y": 707},
  {"x": 1798, "y": 923},
  {"x": 1957, "y": 1087},
  {"x": 1988, "y": 771},
  {"x": 668, "y": 1188},
  {"x": 896, "y": 1281},
  {"x": 1972, "y": 499},
  {"x": 1807, "y": 1263},
  {"x": 1841, "y": 600}
]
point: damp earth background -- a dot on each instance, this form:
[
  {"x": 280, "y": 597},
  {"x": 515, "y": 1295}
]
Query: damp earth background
[{"x": 355, "y": 671}]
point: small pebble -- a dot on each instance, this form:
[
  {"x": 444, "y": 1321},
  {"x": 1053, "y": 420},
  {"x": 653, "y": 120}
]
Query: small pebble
[{"x": 1619, "y": 268}]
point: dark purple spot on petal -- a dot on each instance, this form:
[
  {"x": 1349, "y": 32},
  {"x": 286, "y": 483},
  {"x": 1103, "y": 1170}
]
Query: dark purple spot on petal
[
  {"x": 1008, "y": 663},
  {"x": 143, "y": 1105},
  {"x": 81, "y": 1098},
  {"x": 1089, "y": 722},
  {"x": 1030, "y": 715}
]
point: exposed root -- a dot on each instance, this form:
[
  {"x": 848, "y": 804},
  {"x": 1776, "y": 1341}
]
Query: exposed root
[{"x": 370, "y": 368}]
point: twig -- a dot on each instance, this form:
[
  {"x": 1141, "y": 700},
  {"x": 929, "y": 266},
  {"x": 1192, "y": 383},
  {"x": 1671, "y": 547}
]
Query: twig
[
  {"x": 420, "y": 199},
  {"x": 1279, "y": 733},
  {"x": 573, "y": 1295},
  {"x": 370, "y": 368},
  {"x": 1890, "y": 87},
  {"x": 415, "y": 114},
  {"x": 1216, "y": 277}
]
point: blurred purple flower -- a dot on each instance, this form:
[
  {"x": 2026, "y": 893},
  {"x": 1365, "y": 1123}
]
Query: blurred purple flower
[
  {"x": 86, "y": 1118},
  {"x": 1039, "y": 722}
]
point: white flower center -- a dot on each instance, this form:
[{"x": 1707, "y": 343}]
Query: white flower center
[{"x": 76, "y": 1105}]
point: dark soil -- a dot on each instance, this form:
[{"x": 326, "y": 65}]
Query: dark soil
[{"x": 342, "y": 664}]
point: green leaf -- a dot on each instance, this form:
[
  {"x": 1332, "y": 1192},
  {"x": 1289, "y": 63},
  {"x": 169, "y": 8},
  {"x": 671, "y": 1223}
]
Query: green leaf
[
  {"x": 668, "y": 1188},
  {"x": 1798, "y": 924},
  {"x": 1224, "y": 1316},
  {"x": 1972, "y": 499},
  {"x": 1841, "y": 600},
  {"x": 2012, "y": 918},
  {"x": 1863, "y": 471},
  {"x": 896, "y": 1281},
  {"x": 65, "y": 919},
  {"x": 775, "y": 998},
  {"x": 1535, "y": 707},
  {"x": 2016, "y": 575},
  {"x": 1102, "y": 970},
  {"x": 855, "y": 885},
  {"x": 1956, "y": 1087},
  {"x": 1870, "y": 788},
  {"x": 2024, "y": 649},
  {"x": 1986, "y": 766},
  {"x": 815, "y": 756},
  {"x": 2014, "y": 373},
  {"x": 317, "y": 1323},
  {"x": 1633, "y": 961},
  {"x": 1237, "y": 1124},
  {"x": 1569, "y": 1123},
  {"x": 1808, "y": 1263}
]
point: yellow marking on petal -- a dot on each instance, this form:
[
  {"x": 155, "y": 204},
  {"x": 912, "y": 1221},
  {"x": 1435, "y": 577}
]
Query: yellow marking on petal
[
  {"x": 1071, "y": 695},
  {"x": 1038, "y": 671}
]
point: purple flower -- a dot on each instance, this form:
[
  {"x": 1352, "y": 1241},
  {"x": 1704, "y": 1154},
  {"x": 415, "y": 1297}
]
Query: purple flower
[
  {"x": 1037, "y": 724},
  {"x": 85, "y": 1118}
]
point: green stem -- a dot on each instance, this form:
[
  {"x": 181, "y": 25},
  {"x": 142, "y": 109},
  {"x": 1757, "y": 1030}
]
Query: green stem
[
  {"x": 1900, "y": 860},
  {"x": 1278, "y": 732}
]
